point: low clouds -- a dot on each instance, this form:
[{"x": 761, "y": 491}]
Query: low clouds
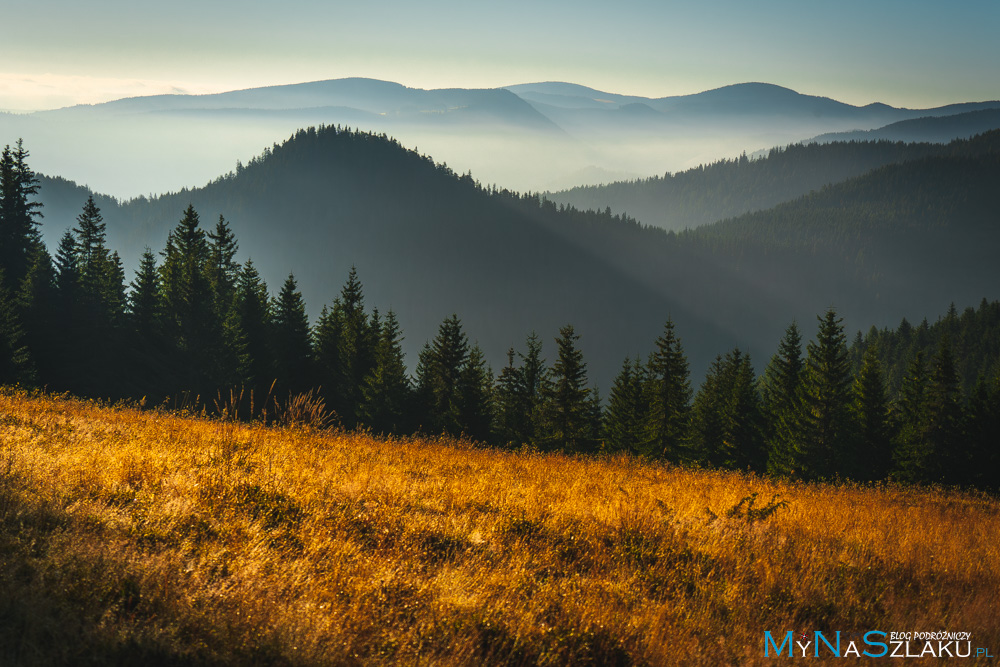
[{"x": 34, "y": 92}]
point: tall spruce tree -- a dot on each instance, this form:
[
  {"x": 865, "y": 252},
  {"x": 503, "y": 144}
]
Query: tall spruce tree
[
  {"x": 38, "y": 307},
  {"x": 626, "y": 412},
  {"x": 291, "y": 340},
  {"x": 727, "y": 419},
  {"x": 253, "y": 309},
  {"x": 945, "y": 419},
  {"x": 824, "y": 431},
  {"x": 565, "y": 415},
  {"x": 668, "y": 395},
  {"x": 911, "y": 449},
  {"x": 149, "y": 360},
  {"x": 190, "y": 317},
  {"x": 223, "y": 268},
  {"x": 98, "y": 312},
  {"x": 508, "y": 415},
  {"x": 707, "y": 417},
  {"x": 386, "y": 394},
  {"x": 439, "y": 377},
  {"x": 476, "y": 392},
  {"x": 326, "y": 354},
  {"x": 873, "y": 450},
  {"x": 356, "y": 337},
  {"x": 517, "y": 394},
  {"x": 145, "y": 308},
  {"x": 19, "y": 235},
  {"x": 91, "y": 233},
  {"x": 233, "y": 365},
  {"x": 781, "y": 397}
]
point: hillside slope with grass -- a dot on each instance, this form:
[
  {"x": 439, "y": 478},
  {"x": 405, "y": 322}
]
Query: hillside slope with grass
[{"x": 143, "y": 537}]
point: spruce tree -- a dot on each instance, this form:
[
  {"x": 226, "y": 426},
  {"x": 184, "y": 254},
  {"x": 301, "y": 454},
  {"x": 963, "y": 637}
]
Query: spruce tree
[
  {"x": 356, "y": 338},
  {"x": 423, "y": 391},
  {"x": 233, "y": 365},
  {"x": 19, "y": 234},
  {"x": 326, "y": 355},
  {"x": 727, "y": 418},
  {"x": 911, "y": 450},
  {"x": 145, "y": 308},
  {"x": 743, "y": 447},
  {"x": 70, "y": 352},
  {"x": 223, "y": 268},
  {"x": 95, "y": 307},
  {"x": 824, "y": 431},
  {"x": 945, "y": 419},
  {"x": 781, "y": 388},
  {"x": 15, "y": 361},
  {"x": 983, "y": 432},
  {"x": 386, "y": 392},
  {"x": 91, "y": 233},
  {"x": 508, "y": 416},
  {"x": 253, "y": 309},
  {"x": 532, "y": 375},
  {"x": 668, "y": 395},
  {"x": 291, "y": 340},
  {"x": 873, "y": 449},
  {"x": 595, "y": 420},
  {"x": 39, "y": 308},
  {"x": 191, "y": 320},
  {"x": 565, "y": 416},
  {"x": 517, "y": 394},
  {"x": 625, "y": 416},
  {"x": 148, "y": 350},
  {"x": 708, "y": 417},
  {"x": 440, "y": 381},
  {"x": 476, "y": 392}
]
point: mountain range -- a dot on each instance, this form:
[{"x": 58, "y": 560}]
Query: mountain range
[{"x": 541, "y": 136}]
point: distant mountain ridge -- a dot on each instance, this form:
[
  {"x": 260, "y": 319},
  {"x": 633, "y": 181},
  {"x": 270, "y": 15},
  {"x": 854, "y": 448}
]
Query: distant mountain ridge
[
  {"x": 740, "y": 98},
  {"x": 939, "y": 129},
  {"x": 534, "y": 137}
]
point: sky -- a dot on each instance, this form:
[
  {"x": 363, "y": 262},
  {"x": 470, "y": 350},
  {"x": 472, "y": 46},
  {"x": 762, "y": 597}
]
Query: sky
[{"x": 913, "y": 53}]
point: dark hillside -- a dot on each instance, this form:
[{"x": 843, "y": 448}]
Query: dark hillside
[
  {"x": 905, "y": 240},
  {"x": 426, "y": 243},
  {"x": 729, "y": 188}
]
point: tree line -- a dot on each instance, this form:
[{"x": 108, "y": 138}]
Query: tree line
[{"x": 195, "y": 321}]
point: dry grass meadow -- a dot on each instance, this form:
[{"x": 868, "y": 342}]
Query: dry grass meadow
[{"x": 146, "y": 538}]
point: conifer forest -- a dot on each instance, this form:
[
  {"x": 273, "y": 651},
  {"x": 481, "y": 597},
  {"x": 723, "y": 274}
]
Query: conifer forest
[{"x": 196, "y": 326}]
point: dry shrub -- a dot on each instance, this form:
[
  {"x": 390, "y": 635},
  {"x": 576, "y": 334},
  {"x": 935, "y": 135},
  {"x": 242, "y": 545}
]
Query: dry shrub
[{"x": 307, "y": 410}]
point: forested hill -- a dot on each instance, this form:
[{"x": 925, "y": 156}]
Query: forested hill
[
  {"x": 903, "y": 241},
  {"x": 729, "y": 188},
  {"x": 908, "y": 237},
  {"x": 426, "y": 243}
]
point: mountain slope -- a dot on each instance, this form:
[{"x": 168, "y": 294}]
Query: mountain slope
[
  {"x": 938, "y": 129},
  {"x": 905, "y": 240},
  {"x": 426, "y": 243},
  {"x": 732, "y": 187}
]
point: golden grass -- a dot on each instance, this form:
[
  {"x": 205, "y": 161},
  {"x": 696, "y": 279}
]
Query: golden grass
[{"x": 130, "y": 537}]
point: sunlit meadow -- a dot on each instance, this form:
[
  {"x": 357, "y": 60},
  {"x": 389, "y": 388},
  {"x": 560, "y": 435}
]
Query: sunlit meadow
[{"x": 133, "y": 536}]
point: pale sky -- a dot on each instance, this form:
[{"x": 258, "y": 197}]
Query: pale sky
[{"x": 911, "y": 53}]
